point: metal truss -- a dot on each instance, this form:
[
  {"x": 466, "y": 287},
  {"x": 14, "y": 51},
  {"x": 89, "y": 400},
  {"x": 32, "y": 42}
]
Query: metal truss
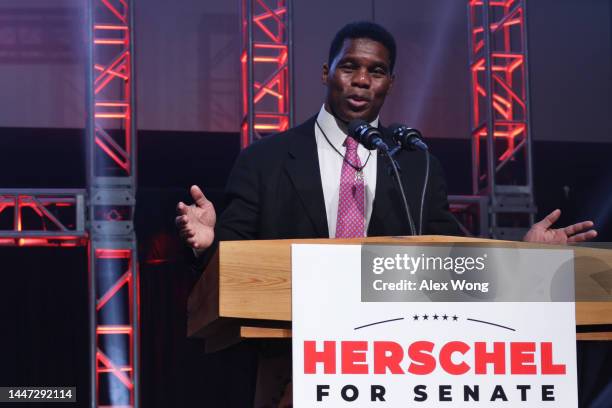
[
  {"x": 111, "y": 178},
  {"x": 112, "y": 88},
  {"x": 500, "y": 126},
  {"x": 42, "y": 217},
  {"x": 115, "y": 314},
  {"x": 102, "y": 215},
  {"x": 267, "y": 71},
  {"x": 471, "y": 214}
]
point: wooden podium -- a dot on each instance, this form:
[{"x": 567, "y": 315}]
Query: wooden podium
[{"x": 245, "y": 291}]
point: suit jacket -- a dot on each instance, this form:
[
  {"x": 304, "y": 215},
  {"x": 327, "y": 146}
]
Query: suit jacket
[{"x": 274, "y": 192}]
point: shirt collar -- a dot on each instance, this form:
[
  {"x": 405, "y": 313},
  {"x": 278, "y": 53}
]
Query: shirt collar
[{"x": 332, "y": 128}]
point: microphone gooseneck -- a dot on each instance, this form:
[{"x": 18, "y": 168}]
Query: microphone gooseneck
[
  {"x": 411, "y": 139},
  {"x": 402, "y": 193}
]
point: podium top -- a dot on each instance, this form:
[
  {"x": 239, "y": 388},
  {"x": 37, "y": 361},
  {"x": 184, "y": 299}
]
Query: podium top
[{"x": 250, "y": 281}]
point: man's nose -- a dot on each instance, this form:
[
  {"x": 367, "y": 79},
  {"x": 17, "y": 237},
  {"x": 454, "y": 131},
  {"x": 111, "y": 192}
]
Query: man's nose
[{"x": 361, "y": 78}]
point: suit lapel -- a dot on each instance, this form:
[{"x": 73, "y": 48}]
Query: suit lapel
[{"x": 303, "y": 170}]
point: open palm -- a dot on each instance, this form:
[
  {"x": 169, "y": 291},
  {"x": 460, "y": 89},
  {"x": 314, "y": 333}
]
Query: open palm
[
  {"x": 196, "y": 222},
  {"x": 542, "y": 232}
]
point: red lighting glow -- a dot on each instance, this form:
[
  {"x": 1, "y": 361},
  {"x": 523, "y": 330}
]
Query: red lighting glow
[
  {"x": 104, "y": 363},
  {"x": 34, "y": 219},
  {"x": 113, "y": 329},
  {"x": 113, "y": 111},
  {"x": 269, "y": 66},
  {"x": 507, "y": 75}
]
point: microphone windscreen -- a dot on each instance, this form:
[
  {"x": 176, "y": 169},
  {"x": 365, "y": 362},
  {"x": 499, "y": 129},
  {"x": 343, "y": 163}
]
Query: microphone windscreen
[
  {"x": 353, "y": 126},
  {"x": 403, "y": 134}
]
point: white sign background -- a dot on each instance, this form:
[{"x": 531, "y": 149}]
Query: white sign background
[{"x": 326, "y": 305}]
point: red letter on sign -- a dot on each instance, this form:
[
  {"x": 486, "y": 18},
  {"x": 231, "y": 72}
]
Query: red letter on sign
[
  {"x": 354, "y": 357},
  {"x": 312, "y": 357},
  {"x": 446, "y": 354},
  {"x": 423, "y": 362},
  {"x": 522, "y": 358},
  {"x": 497, "y": 358},
  {"x": 388, "y": 355},
  {"x": 548, "y": 367}
]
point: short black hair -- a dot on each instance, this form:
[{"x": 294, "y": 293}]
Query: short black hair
[{"x": 363, "y": 29}]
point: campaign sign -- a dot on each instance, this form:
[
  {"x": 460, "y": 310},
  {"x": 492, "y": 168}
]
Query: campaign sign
[{"x": 421, "y": 326}]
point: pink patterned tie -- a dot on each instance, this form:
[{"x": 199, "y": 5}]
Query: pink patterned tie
[{"x": 351, "y": 203}]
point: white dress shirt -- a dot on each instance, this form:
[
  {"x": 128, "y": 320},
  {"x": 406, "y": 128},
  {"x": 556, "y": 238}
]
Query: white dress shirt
[{"x": 330, "y": 165}]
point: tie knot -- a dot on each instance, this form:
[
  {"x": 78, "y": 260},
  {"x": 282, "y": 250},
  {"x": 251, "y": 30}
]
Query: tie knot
[{"x": 351, "y": 144}]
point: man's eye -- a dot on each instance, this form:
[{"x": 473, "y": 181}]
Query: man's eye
[{"x": 379, "y": 72}]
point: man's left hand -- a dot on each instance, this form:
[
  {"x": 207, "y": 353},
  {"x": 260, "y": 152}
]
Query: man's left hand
[{"x": 542, "y": 232}]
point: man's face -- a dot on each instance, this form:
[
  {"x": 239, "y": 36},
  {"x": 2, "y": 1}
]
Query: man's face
[{"x": 358, "y": 80}]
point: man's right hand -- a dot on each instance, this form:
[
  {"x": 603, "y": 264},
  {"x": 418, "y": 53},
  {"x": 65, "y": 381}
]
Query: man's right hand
[{"x": 196, "y": 222}]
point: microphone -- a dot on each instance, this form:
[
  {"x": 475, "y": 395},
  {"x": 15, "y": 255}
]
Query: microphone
[
  {"x": 407, "y": 138},
  {"x": 369, "y": 136}
]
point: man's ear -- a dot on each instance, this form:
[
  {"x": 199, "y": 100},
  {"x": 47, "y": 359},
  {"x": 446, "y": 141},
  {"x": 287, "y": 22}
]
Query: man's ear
[{"x": 325, "y": 74}]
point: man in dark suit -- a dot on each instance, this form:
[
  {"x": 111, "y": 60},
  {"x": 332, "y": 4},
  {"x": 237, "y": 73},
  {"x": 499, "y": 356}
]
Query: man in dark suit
[
  {"x": 277, "y": 188},
  {"x": 294, "y": 184}
]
